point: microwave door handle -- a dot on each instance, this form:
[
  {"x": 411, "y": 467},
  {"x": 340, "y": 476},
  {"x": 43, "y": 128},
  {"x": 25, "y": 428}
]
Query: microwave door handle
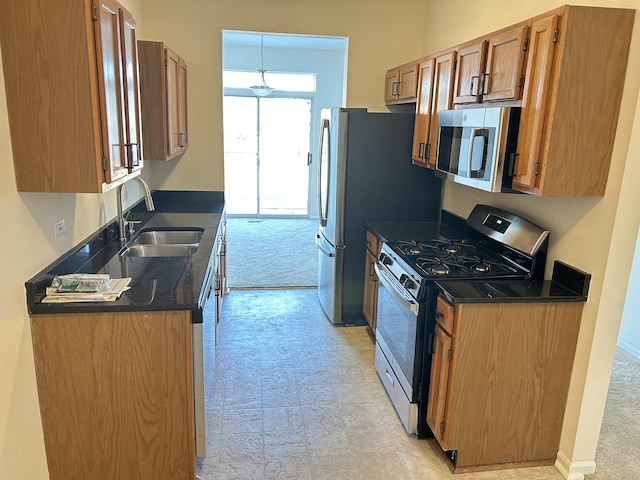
[{"x": 475, "y": 133}]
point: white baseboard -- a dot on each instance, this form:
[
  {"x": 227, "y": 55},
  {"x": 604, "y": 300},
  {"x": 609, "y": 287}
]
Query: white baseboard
[
  {"x": 573, "y": 470},
  {"x": 629, "y": 348}
]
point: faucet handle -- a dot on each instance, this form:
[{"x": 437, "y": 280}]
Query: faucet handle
[{"x": 131, "y": 226}]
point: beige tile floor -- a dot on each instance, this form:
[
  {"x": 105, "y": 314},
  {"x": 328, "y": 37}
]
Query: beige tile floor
[{"x": 290, "y": 396}]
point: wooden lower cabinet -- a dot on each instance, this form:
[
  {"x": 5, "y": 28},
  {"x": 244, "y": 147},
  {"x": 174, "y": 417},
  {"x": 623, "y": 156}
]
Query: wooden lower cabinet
[
  {"x": 116, "y": 394},
  {"x": 370, "y": 298},
  {"x": 499, "y": 381}
]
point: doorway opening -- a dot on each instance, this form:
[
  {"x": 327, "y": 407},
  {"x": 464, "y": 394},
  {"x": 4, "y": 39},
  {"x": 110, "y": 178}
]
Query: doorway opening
[{"x": 271, "y": 185}]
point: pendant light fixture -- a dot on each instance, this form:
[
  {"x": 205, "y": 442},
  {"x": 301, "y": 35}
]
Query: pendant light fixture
[{"x": 261, "y": 90}]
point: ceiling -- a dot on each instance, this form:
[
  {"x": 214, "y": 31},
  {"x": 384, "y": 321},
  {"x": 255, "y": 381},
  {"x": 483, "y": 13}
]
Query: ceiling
[{"x": 278, "y": 40}]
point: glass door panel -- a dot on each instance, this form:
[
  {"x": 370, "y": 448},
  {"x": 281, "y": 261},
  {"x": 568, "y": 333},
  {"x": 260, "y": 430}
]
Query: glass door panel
[
  {"x": 241, "y": 155},
  {"x": 284, "y": 139},
  {"x": 266, "y": 143}
]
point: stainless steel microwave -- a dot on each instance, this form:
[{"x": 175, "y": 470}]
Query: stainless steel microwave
[{"x": 477, "y": 146}]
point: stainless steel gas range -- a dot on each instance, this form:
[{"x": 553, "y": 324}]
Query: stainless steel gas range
[{"x": 493, "y": 244}]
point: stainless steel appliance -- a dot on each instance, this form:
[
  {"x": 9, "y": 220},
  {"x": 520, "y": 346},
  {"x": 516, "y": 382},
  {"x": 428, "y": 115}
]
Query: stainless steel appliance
[
  {"x": 365, "y": 174},
  {"x": 491, "y": 244},
  {"x": 477, "y": 146}
]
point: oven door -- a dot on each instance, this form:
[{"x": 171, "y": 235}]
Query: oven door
[{"x": 400, "y": 325}]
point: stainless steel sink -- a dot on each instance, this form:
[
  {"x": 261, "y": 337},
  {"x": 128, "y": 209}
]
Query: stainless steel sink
[
  {"x": 167, "y": 250},
  {"x": 169, "y": 237}
]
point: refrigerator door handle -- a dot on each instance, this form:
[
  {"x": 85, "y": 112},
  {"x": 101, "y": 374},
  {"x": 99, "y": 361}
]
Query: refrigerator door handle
[
  {"x": 321, "y": 247},
  {"x": 323, "y": 174}
]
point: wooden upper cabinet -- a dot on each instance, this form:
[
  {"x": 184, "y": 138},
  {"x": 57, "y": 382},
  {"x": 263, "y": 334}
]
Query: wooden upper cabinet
[
  {"x": 442, "y": 100},
  {"x": 108, "y": 38},
  {"x": 71, "y": 93},
  {"x": 401, "y": 84},
  {"x": 163, "y": 81},
  {"x": 491, "y": 69},
  {"x": 133, "y": 123},
  {"x": 469, "y": 69},
  {"x": 419, "y": 153},
  {"x": 569, "y": 114},
  {"x": 534, "y": 102},
  {"x": 183, "y": 138},
  {"x": 502, "y": 78}
]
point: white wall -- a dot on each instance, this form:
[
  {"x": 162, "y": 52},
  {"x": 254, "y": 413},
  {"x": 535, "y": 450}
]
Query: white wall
[{"x": 629, "y": 336}]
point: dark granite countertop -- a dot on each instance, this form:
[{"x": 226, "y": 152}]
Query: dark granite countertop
[
  {"x": 450, "y": 227},
  {"x": 158, "y": 283},
  {"x": 507, "y": 291}
]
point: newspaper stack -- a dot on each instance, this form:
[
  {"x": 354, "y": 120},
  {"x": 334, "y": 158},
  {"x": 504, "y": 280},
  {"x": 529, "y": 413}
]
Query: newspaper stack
[{"x": 85, "y": 287}]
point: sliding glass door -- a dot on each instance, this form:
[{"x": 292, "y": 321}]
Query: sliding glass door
[{"x": 266, "y": 147}]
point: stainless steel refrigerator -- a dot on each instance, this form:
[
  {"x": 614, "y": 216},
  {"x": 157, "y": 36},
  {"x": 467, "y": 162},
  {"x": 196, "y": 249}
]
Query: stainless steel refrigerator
[{"x": 364, "y": 174}]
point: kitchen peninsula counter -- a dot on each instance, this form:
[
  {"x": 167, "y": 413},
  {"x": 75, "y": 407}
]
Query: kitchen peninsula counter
[{"x": 157, "y": 283}]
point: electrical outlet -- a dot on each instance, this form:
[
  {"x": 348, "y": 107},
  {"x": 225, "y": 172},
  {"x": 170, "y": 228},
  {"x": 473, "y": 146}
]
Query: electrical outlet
[{"x": 59, "y": 228}]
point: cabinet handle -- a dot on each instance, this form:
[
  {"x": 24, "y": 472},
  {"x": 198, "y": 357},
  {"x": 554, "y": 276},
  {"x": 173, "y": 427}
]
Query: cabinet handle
[
  {"x": 183, "y": 139},
  {"x": 427, "y": 152},
  {"x": 474, "y": 79},
  {"x": 485, "y": 83},
  {"x": 371, "y": 271},
  {"x": 421, "y": 150},
  {"x": 132, "y": 160},
  {"x": 395, "y": 89},
  {"x": 439, "y": 314}
]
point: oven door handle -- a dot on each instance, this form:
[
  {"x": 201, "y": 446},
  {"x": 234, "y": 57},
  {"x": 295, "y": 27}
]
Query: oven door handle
[{"x": 387, "y": 281}]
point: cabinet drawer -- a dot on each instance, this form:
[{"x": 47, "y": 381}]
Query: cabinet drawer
[
  {"x": 444, "y": 315},
  {"x": 373, "y": 243}
]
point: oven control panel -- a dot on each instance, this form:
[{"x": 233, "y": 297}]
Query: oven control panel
[
  {"x": 497, "y": 223},
  {"x": 508, "y": 229}
]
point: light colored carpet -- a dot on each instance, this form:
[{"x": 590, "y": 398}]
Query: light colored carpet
[
  {"x": 271, "y": 252},
  {"x": 617, "y": 454}
]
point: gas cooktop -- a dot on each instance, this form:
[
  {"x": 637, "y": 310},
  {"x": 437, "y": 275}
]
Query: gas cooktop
[{"x": 454, "y": 259}]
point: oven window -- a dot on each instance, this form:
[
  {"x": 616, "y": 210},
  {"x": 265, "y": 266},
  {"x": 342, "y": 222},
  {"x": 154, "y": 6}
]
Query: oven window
[{"x": 398, "y": 328}]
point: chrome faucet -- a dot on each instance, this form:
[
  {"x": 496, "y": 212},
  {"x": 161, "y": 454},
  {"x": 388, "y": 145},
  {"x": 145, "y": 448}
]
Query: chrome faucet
[{"x": 125, "y": 225}]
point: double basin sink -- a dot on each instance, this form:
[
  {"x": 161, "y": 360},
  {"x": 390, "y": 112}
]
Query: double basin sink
[{"x": 164, "y": 243}]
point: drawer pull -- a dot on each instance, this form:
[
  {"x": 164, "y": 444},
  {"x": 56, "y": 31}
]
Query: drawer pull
[{"x": 390, "y": 376}]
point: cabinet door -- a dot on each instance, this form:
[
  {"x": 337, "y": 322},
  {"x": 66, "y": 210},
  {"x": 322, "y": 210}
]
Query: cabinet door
[
  {"x": 502, "y": 78},
  {"x": 173, "y": 101},
  {"x": 408, "y": 78},
  {"x": 133, "y": 125},
  {"x": 108, "y": 46},
  {"x": 116, "y": 394},
  {"x": 534, "y": 104},
  {"x": 423, "y": 111},
  {"x": 470, "y": 65},
  {"x": 182, "y": 104},
  {"x": 370, "y": 298},
  {"x": 442, "y": 96},
  {"x": 391, "y": 83},
  {"x": 439, "y": 385}
]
